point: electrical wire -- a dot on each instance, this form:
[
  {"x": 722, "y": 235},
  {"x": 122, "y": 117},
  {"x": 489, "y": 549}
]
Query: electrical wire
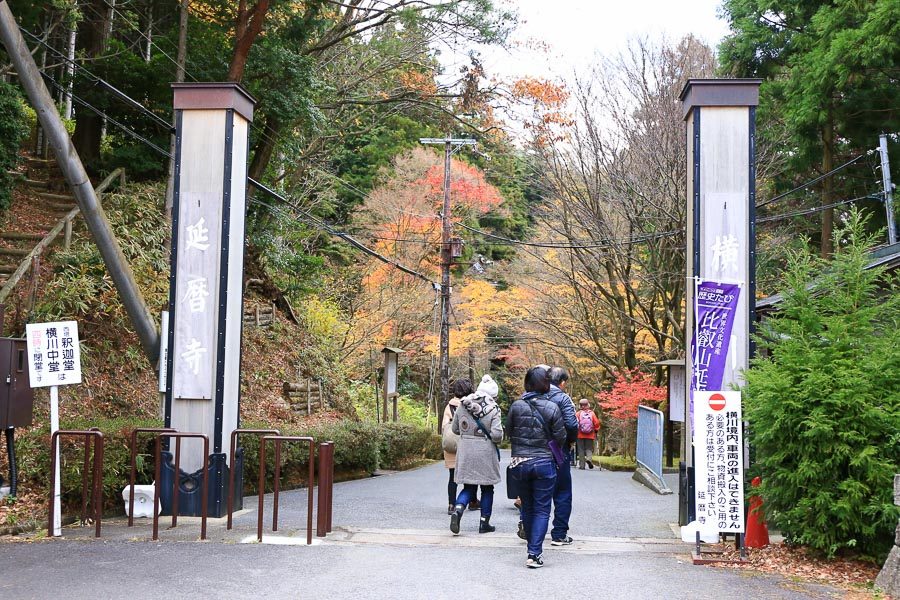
[
  {"x": 813, "y": 181},
  {"x": 318, "y": 223},
  {"x": 809, "y": 211},
  {"x": 599, "y": 245}
]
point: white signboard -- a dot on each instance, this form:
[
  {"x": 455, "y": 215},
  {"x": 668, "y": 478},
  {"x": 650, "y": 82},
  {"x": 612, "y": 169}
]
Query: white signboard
[
  {"x": 390, "y": 375},
  {"x": 54, "y": 355},
  {"x": 194, "y": 351},
  {"x": 718, "y": 466}
]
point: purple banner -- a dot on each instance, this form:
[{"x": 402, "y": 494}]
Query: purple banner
[{"x": 716, "y": 307}]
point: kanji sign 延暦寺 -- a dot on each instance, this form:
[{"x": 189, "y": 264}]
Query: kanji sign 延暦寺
[
  {"x": 54, "y": 353},
  {"x": 195, "y": 299},
  {"x": 718, "y": 466}
]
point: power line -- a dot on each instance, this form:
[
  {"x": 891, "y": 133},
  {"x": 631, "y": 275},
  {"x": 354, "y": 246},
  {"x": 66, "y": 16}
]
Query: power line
[
  {"x": 815, "y": 209},
  {"x": 813, "y": 181},
  {"x": 344, "y": 236},
  {"x": 109, "y": 119},
  {"x": 604, "y": 244},
  {"x": 318, "y": 223}
]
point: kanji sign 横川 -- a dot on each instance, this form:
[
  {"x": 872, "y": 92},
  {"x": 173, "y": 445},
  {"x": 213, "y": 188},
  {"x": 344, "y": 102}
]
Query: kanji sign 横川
[
  {"x": 54, "y": 354},
  {"x": 718, "y": 464}
]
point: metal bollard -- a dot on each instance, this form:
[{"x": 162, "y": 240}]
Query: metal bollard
[
  {"x": 204, "y": 490},
  {"x": 133, "y": 449},
  {"x": 278, "y": 439},
  {"x": 231, "y": 469},
  {"x": 326, "y": 486},
  {"x": 97, "y": 475}
]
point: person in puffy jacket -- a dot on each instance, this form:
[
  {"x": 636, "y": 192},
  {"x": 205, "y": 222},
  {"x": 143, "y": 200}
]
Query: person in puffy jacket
[
  {"x": 533, "y": 422},
  {"x": 477, "y": 422},
  {"x": 459, "y": 389}
]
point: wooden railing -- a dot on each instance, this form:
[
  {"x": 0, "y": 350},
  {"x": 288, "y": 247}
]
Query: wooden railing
[{"x": 33, "y": 257}]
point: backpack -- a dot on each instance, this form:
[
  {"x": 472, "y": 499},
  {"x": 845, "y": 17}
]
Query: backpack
[
  {"x": 585, "y": 422},
  {"x": 449, "y": 440}
]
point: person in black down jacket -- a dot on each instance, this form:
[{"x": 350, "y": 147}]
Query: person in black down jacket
[{"x": 533, "y": 421}]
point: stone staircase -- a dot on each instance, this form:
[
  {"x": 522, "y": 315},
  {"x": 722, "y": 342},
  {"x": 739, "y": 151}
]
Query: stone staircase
[
  {"x": 40, "y": 202},
  {"x": 41, "y": 209}
]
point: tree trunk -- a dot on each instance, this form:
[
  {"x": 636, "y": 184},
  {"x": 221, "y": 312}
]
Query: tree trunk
[
  {"x": 248, "y": 26},
  {"x": 827, "y": 242},
  {"x": 265, "y": 147},
  {"x": 88, "y": 125}
]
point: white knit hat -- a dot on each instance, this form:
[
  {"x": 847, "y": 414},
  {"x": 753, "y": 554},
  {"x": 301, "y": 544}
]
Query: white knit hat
[{"x": 488, "y": 386}]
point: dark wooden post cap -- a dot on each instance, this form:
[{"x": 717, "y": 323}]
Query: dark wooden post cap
[
  {"x": 214, "y": 95},
  {"x": 719, "y": 92}
]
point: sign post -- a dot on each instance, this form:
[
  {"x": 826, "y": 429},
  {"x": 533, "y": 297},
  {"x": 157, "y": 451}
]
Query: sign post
[
  {"x": 54, "y": 359},
  {"x": 718, "y": 466},
  {"x": 720, "y": 127},
  {"x": 203, "y": 358}
]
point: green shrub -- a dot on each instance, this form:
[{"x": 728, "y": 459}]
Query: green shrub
[
  {"x": 824, "y": 405},
  {"x": 33, "y": 460},
  {"x": 359, "y": 448},
  {"x": 13, "y": 129}
]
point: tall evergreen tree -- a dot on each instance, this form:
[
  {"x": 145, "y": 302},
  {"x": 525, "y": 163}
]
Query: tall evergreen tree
[
  {"x": 831, "y": 69},
  {"x": 823, "y": 402}
]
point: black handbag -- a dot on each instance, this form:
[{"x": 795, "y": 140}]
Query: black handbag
[{"x": 513, "y": 482}]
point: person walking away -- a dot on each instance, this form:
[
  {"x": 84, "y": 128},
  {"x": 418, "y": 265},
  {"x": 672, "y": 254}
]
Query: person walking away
[
  {"x": 449, "y": 440},
  {"x": 562, "y": 496},
  {"x": 533, "y": 422},
  {"x": 588, "y": 426},
  {"x": 477, "y": 422}
]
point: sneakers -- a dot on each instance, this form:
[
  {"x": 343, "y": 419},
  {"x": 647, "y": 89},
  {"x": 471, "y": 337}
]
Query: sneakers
[
  {"x": 455, "y": 516},
  {"x": 534, "y": 562},
  {"x": 521, "y": 531},
  {"x": 562, "y": 542}
]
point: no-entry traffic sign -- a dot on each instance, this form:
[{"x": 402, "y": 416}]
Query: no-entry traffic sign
[{"x": 717, "y": 402}]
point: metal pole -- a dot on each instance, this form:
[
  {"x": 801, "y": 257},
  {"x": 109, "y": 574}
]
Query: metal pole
[
  {"x": 444, "y": 350},
  {"x": 888, "y": 189},
  {"x": 56, "y": 506},
  {"x": 73, "y": 170}
]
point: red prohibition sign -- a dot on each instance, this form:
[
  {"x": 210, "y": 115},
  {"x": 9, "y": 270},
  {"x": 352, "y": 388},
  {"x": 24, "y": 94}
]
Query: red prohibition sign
[{"x": 717, "y": 402}]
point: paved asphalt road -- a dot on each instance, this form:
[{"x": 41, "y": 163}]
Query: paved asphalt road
[{"x": 391, "y": 540}]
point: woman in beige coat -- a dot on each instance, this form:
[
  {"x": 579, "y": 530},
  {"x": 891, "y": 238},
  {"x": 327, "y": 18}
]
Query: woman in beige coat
[{"x": 459, "y": 389}]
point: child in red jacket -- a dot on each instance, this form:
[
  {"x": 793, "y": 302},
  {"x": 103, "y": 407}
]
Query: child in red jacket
[{"x": 588, "y": 425}]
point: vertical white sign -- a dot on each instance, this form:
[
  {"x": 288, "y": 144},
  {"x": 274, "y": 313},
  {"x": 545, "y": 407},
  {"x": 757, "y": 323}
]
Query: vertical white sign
[
  {"x": 54, "y": 359},
  {"x": 199, "y": 243},
  {"x": 718, "y": 467},
  {"x": 54, "y": 353}
]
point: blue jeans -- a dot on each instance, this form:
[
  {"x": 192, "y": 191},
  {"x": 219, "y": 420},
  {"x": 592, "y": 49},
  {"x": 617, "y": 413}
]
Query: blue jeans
[
  {"x": 538, "y": 477},
  {"x": 562, "y": 502},
  {"x": 470, "y": 491}
]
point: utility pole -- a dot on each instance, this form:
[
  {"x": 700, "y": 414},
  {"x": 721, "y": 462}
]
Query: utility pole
[
  {"x": 450, "y": 146},
  {"x": 888, "y": 189}
]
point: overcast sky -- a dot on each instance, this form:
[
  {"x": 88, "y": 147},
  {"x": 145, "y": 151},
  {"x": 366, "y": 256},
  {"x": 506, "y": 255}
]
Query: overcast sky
[{"x": 576, "y": 31}]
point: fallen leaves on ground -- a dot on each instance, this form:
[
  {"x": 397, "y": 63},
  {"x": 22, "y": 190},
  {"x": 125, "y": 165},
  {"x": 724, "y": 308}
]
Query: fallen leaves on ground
[{"x": 800, "y": 563}]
